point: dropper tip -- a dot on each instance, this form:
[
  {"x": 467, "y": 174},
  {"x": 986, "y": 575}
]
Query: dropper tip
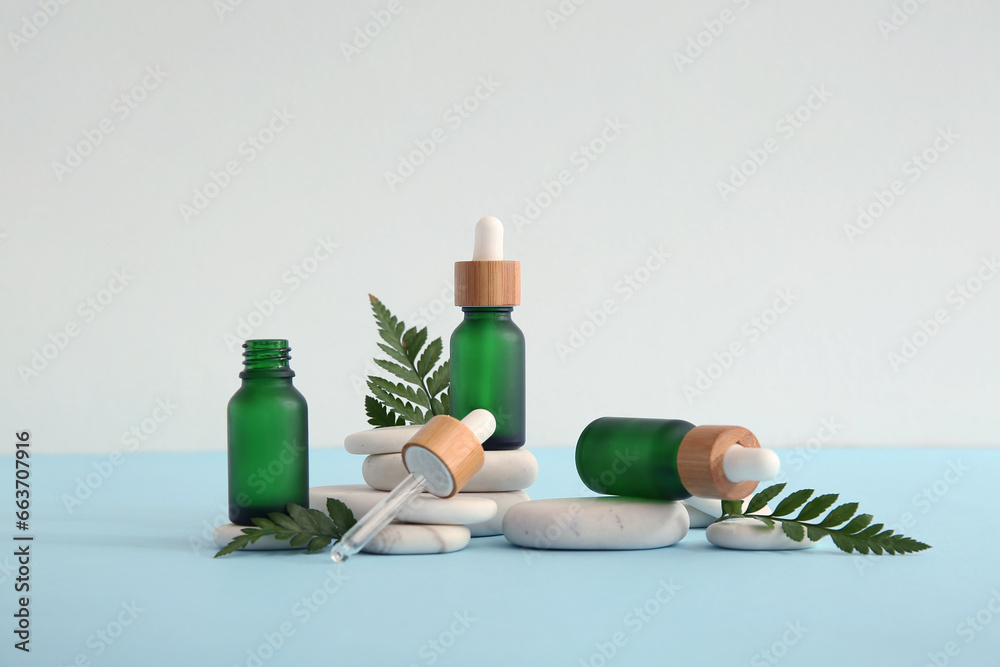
[
  {"x": 482, "y": 423},
  {"x": 489, "y": 240},
  {"x": 750, "y": 464}
]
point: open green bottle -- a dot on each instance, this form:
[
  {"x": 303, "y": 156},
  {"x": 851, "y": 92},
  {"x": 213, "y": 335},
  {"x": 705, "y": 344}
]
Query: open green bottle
[
  {"x": 487, "y": 348},
  {"x": 268, "y": 435}
]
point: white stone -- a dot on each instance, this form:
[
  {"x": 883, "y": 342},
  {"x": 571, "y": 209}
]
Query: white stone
[
  {"x": 412, "y": 538},
  {"x": 425, "y": 508},
  {"x": 508, "y": 470},
  {"x": 607, "y": 522},
  {"x": 752, "y": 535},
  {"x": 385, "y": 440},
  {"x": 703, "y": 511},
  {"x": 225, "y": 533},
  {"x": 698, "y": 518},
  {"x": 504, "y": 501}
]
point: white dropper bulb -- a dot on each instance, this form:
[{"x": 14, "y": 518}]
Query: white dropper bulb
[
  {"x": 489, "y": 240},
  {"x": 743, "y": 464},
  {"x": 481, "y": 422}
]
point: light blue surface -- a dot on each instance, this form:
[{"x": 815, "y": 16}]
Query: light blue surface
[{"x": 139, "y": 539}]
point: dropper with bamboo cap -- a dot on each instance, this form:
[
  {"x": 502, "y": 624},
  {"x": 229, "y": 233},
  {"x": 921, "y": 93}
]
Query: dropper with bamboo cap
[
  {"x": 487, "y": 348},
  {"x": 441, "y": 458},
  {"x": 489, "y": 279}
]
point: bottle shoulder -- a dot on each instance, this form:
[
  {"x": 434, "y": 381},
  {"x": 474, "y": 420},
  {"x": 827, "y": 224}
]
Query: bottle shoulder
[
  {"x": 267, "y": 392},
  {"x": 488, "y": 326}
]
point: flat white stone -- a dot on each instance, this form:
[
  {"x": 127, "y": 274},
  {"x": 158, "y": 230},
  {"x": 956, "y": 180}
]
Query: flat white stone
[
  {"x": 385, "y": 440},
  {"x": 412, "y": 538},
  {"x": 508, "y": 470},
  {"x": 698, "y": 518},
  {"x": 607, "y": 522},
  {"x": 703, "y": 511},
  {"x": 504, "y": 501},
  {"x": 752, "y": 535},
  {"x": 225, "y": 533},
  {"x": 425, "y": 508}
]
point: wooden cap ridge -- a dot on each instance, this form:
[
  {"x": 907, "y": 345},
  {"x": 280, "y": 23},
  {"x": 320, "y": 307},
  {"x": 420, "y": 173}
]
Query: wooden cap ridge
[
  {"x": 488, "y": 283},
  {"x": 450, "y": 451},
  {"x": 699, "y": 461}
]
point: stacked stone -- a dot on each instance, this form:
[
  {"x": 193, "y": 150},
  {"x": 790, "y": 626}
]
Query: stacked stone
[{"x": 430, "y": 524}]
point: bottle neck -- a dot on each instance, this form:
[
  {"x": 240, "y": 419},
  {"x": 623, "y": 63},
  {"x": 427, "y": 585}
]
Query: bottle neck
[
  {"x": 487, "y": 312},
  {"x": 262, "y": 379},
  {"x": 266, "y": 358}
]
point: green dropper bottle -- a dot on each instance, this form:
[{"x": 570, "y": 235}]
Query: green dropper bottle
[
  {"x": 268, "y": 435},
  {"x": 671, "y": 459},
  {"x": 487, "y": 348}
]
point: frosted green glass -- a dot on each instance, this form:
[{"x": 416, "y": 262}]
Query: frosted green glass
[
  {"x": 487, "y": 371},
  {"x": 632, "y": 457},
  {"x": 268, "y": 436}
]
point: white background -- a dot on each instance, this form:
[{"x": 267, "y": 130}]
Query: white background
[{"x": 888, "y": 92}]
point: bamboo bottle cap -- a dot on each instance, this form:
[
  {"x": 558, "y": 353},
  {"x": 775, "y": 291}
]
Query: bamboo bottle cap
[
  {"x": 448, "y": 452},
  {"x": 488, "y": 280},
  {"x": 700, "y": 461}
]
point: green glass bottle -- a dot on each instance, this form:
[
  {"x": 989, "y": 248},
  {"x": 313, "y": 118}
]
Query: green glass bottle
[
  {"x": 268, "y": 435},
  {"x": 487, "y": 348},
  {"x": 487, "y": 371},
  {"x": 671, "y": 459},
  {"x": 632, "y": 457}
]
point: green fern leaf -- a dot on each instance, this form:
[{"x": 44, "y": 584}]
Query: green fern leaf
[
  {"x": 300, "y": 540},
  {"x": 286, "y": 522},
  {"x": 430, "y": 357},
  {"x": 732, "y": 507},
  {"x": 400, "y": 371},
  {"x": 422, "y": 391},
  {"x": 793, "y": 529},
  {"x": 762, "y": 498},
  {"x": 313, "y": 529},
  {"x": 341, "y": 515},
  {"x": 380, "y": 415},
  {"x": 397, "y": 355},
  {"x": 859, "y": 534},
  {"x": 401, "y": 390},
  {"x": 236, "y": 544},
  {"x": 439, "y": 379},
  {"x": 817, "y": 506},
  {"x": 406, "y": 410},
  {"x": 318, "y": 543},
  {"x": 792, "y": 502},
  {"x": 413, "y": 340},
  {"x": 839, "y": 515},
  {"x": 857, "y": 523}
]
